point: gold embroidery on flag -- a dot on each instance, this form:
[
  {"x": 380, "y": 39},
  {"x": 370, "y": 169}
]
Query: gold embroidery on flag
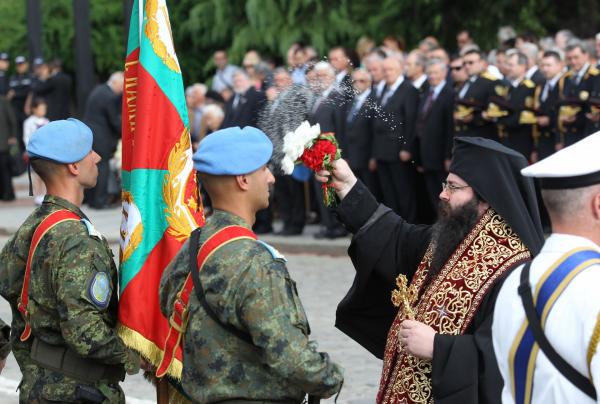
[
  {"x": 152, "y": 29},
  {"x": 130, "y": 240},
  {"x": 178, "y": 211}
]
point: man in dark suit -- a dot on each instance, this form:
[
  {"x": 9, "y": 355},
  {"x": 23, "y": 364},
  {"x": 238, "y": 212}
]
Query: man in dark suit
[
  {"x": 103, "y": 116},
  {"x": 435, "y": 130},
  {"x": 580, "y": 84},
  {"x": 547, "y": 97},
  {"x": 533, "y": 72},
  {"x": 517, "y": 126},
  {"x": 359, "y": 128},
  {"x": 243, "y": 108},
  {"x": 328, "y": 112},
  {"x": 394, "y": 137},
  {"x": 340, "y": 61},
  {"x": 474, "y": 95},
  {"x": 415, "y": 72},
  {"x": 56, "y": 90}
]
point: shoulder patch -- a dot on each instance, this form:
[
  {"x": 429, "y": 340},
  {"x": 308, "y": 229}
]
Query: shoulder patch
[
  {"x": 92, "y": 232},
  {"x": 528, "y": 83},
  {"x": 273, "y": 251},
  {"x": 489, "y": 76},
  {"x": 99, "y": 289}
]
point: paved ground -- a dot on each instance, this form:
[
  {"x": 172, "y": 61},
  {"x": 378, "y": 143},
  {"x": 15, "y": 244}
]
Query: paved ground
[{"x": 323, "y": 274}]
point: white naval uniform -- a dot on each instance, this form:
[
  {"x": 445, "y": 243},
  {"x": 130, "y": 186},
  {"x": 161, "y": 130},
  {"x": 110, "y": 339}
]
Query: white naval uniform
[{"x": 569, "y": 325}]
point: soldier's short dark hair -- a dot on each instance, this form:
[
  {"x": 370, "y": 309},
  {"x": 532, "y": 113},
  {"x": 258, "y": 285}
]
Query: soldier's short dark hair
[
  {"x": 475, "y": 52},
  {"x": 521, "y": 58},
  {"x": 574, "y": 45},
  {"x": 552, "y": 54},
  {"x": 46, "y": 169}
]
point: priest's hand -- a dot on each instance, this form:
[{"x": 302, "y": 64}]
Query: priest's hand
[
  {"x": 342, "y": 177},
  {"x": 417, "y": 339}
]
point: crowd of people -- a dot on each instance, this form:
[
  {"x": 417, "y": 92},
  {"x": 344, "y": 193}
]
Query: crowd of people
[
  {"x": 396, "y": 111},
  {"x": 29, "y": 98}
]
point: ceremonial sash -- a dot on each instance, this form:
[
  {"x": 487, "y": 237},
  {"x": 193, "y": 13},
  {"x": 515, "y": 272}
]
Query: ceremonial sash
[
  {"x": 44, "y": 227},
  {"x": 178, "y": 319},
  {"x": 524, "y": 350}
]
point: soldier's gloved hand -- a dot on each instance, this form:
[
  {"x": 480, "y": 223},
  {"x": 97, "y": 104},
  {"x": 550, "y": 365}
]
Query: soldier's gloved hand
[{"x": 132, "y": 364}]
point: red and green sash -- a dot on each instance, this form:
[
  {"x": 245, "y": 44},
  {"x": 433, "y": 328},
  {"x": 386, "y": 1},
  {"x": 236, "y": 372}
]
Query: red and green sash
[
  {"x": 44, "y": 227},
  {"x": 178, "y": 319}
]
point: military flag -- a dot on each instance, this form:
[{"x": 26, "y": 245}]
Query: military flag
[{"x": 160, "y": 200}]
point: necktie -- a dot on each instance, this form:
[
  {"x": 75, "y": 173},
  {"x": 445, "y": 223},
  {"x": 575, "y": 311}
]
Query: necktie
[
  {"x": 464, "y": 89},
  {"x": 236, "y": 101},
  {"x": 545, "y": 92},
  {"x": 427, "y": 103},
  {"x": 386, "y": 96},
  {"x": 353, "y": 111}
]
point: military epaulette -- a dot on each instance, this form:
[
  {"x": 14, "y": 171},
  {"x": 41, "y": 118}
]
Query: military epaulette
[
  {"x": 92, "y": 232},
  {"x": 489, "y": 76},
  {"x": 273, "y": 251},
  {"x": 528, "y": 83},
  {"x": 568, "y": 74},
  {"x": 593, "y": 71}
]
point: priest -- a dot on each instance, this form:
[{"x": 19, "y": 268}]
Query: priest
[{"x": 423, "y": 296}]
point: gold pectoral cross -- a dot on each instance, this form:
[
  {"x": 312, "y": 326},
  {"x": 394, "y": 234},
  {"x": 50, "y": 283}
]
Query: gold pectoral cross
[{"x": 404, "y": 297}]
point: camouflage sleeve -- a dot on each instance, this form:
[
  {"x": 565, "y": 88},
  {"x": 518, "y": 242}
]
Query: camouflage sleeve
[
  {"x": 4, "y": 340},
  {"x": 81, "y": 317},
  {"x": 173, "y": 278},
  {"x": 272, "y": 313}
]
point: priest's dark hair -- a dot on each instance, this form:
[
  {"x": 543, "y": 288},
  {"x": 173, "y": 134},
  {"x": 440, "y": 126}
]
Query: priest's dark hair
[{"x": 494, "y": 172}]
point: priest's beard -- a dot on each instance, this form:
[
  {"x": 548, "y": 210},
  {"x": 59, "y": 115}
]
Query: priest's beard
[{"x": 451, "y": 228}]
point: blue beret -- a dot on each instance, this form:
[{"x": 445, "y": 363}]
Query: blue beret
[
  {"x": 233, "y": 151},
  {"x": 64, "y": 141}
]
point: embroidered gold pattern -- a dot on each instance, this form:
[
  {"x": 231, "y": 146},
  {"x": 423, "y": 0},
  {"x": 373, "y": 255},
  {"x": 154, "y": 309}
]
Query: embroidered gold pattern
[{"x": 449, "y": 303}]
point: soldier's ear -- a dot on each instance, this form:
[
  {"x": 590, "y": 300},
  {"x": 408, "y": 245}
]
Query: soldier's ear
[
  {"x": 73, "y": 168},
  {"x": 242, "y": 182}
]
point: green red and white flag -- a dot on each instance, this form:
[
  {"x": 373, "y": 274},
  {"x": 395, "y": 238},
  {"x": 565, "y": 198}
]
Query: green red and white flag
[{"x": 160, "y": 199}]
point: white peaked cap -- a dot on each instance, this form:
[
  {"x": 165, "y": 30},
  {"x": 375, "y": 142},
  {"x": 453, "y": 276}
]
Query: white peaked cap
[{"x": 575, "y": 166}]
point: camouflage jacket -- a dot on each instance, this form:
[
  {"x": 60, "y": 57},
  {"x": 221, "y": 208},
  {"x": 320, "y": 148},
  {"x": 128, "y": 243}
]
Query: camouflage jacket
[
  {"x": 4, "y": 340},
  {"x": 72, "y": 297},
  {"x": 248, "y": 287}
]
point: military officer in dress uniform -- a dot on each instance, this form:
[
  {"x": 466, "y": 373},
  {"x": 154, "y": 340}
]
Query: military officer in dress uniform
[
  {"x": 546, "y": 325},
  {"x": 4, "y": 65},
  {"x": 547, "y": 97},
  {"x": 517, "y": 126},
  {"x": 19, "y": 87},
  {"x": 58, "y": 274},
  {"x": 246, "y": 334},
  {"x": 473, "y": 99},
  {"x": 580, "y": 84}
]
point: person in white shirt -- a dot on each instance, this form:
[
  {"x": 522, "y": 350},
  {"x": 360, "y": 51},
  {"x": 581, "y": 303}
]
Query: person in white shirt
[
  {"x": 36, "y": 120},
  {"x": 559, "y": 288}
]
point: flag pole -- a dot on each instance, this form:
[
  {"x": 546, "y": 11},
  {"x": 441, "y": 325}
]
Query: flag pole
[{"x": 162, "y": 391}]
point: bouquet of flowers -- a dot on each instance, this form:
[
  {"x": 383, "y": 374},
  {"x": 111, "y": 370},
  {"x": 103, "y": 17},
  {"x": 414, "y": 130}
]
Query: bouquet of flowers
[{"x": 316, "y": 150}]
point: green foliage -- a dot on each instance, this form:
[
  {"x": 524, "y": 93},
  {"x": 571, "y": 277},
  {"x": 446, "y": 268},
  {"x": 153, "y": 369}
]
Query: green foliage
[{"x": 271, "y": 26}]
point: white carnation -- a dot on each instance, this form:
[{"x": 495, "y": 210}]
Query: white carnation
[
  {"x": 287, "y": 165},
  {"x": 295, "y": 142}
]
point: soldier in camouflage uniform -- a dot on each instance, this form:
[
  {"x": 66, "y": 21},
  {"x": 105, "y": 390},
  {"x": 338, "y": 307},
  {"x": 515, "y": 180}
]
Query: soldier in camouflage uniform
[
  {"x": 74, "y": 354},
  {"x": 4, "y": 343},
  {"x": 247, "y": 287}
]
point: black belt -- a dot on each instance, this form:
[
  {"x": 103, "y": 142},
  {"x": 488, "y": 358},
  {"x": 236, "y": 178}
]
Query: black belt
[{"x": 63, "y": 360}]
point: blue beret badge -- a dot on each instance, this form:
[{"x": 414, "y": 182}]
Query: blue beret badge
[{"x": 99, "y": 289}]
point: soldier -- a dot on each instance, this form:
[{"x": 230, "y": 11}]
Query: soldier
[
  {"x": 547, "y": 97},
  {"x": 246, "y": 338},
  {"x": 546, "y": 347},
  {"x": 19, "y": 86},
  {"x": 473, "y": 98},
  {"x": 58, "y": 274},
  {"x": 4, "y": 65},
  {"x": 579, "y": 86},
  {"x": 517, "y": 126}
]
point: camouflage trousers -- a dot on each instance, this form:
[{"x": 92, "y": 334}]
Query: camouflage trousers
[{"x": 40, "y": 386}]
